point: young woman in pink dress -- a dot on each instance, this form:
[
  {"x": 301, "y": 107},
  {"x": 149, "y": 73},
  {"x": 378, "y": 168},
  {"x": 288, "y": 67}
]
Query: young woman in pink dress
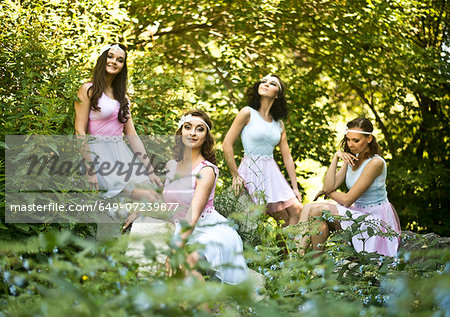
[
  {"x": 103, "y": 112},
  {"x": 261, "y": 130},
  {"x": 364, "y": 172},
  {"x": 191, "y": 182},
  {"x": 190, "y": 186}
]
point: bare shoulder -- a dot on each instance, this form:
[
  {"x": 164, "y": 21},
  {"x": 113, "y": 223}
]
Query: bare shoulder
[
  {"x": 244, "y": 113},
  {"x": 207, "y": 173},
  {"x": 171, "y": 164},
  {"x": 376, "y": 164},
  {"x": 242, "y": 118},
  {"x": 245, "y": 110},
  {"x": 83, "y": 91}
]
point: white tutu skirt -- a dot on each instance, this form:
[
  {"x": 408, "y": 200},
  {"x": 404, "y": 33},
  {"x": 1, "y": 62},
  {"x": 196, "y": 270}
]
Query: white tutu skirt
[
  {"x": 265, "y": 183},
  {"x": 222, "y": 246},
  {"x": 382, "y": 214},
  {"x": 112, "y": 156}
]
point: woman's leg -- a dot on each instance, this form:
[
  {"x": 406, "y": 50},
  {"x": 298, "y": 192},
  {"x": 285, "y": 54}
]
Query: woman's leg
[
  {"x": 191, "y": 260},
  {"x": 289, "y": 215},
  {"x": 139, "y": 195},
  {"x": 280, "y": 215},
  {"x": 303, "y": 238},
  {"x": 144, "y": 195},
  {"x": 313, "y": 210},
  {"x": 316, "y": 210},
  {"x": 294, "y": 211}
]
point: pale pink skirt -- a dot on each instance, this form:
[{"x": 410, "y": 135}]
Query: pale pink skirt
[
  {"x": 110, "y": 151},
  {"x": 265, "y": 183},
  {"x": 382, "y": 215}
]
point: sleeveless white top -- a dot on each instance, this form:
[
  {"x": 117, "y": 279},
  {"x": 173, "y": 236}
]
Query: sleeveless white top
[
  {"x": 376, "y": 193},
  {"x": 260, "y": 137}
]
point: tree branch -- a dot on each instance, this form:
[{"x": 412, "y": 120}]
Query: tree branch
[
  {"x": 185, "y": 29},
  {"x": 213, "y": 62},
  {"x": 380, "y": 123},
  {"x": 182, "y": 30},
  {"x": 438, "y": 22}
]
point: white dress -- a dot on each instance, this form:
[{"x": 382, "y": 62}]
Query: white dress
[
  {"x": 222, "y": 246},
  {"x": 263, "y": 179}
]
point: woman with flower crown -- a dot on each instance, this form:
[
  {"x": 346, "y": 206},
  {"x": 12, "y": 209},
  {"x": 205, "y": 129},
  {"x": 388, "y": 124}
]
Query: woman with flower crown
[
  {"x": 190, "y": 184},
  {"x": 364, "y": 172},
  {"x": 103, "y": 112},
  {"x": 261, "y": 130}
]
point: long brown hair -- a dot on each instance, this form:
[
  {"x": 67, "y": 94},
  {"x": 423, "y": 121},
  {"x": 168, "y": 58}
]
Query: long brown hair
[
  {"x": 279, "y": 108},
  {"x": 365, "y": 125},
  {"x": 207, "y": 149},
  {"x": 119, "y": 85}
]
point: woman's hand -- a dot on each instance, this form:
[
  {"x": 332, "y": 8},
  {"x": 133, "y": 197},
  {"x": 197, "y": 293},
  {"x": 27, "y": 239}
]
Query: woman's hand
[
  {"x": 321, "y": 193},
  {"x": 348, "y": 158},
  {"x": 238, "y": 183},
  {"x": 298, "y": 195},
  {"x": 131, "y": 218},
  {"x": 155, "y": 179}
]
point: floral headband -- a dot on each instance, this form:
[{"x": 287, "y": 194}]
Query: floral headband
[
  {"x": 109, "y": 46},
  {"x": 189, "y": 118},
  {"x": 357, "y": 131},
  {"x": 273, "y": 78}
]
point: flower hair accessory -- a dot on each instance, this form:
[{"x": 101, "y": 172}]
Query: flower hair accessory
[
  {"x": 357, "y": 131},
  {"x": 270, "y": 76},
  {"x": 108, "y": 47},
  {"x": 189, "y": 118}
]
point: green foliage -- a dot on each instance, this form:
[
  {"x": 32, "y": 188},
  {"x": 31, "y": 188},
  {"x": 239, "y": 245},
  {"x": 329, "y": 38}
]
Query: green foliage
[
  {"x": 59, "y": 274},
  {"x": 342, "y": 280},
  {"x": 353, "y": 284},
  {"x": 421, "y": 195}
]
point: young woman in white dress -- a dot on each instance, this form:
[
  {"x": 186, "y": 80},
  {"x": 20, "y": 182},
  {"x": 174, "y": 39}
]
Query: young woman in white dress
[{"x": 261, "y": 130}]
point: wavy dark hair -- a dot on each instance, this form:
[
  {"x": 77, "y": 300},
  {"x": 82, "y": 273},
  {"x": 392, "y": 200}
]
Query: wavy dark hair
[
  {"x": 119, "y": 85},
  {"x": 279, "y": 108},
  {"x": 365, "y": 125},
  {"x": 207, "y": 149}
]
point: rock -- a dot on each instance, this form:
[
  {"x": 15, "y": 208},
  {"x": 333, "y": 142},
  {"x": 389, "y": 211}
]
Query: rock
[
  {"x": 155, "y": 231},
  {"x": 412, "y": 241},
  {"x": 258, "y": 282},
  {"x": 109, "y": 223}
]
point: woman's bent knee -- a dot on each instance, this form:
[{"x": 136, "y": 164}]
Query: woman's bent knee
[{"x": 317, "y": 210}]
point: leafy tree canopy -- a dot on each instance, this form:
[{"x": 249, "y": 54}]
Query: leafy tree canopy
[{"x": 387, "y": 60}]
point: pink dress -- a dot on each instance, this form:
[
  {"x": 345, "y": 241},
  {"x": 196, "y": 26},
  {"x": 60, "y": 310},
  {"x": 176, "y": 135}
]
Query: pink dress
[
  {"x": 374, "y": 203},
  {"x": 222, "y": 246},
  {"x": 262, "y": 176},
  {"x": 110, "y": 153}
]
